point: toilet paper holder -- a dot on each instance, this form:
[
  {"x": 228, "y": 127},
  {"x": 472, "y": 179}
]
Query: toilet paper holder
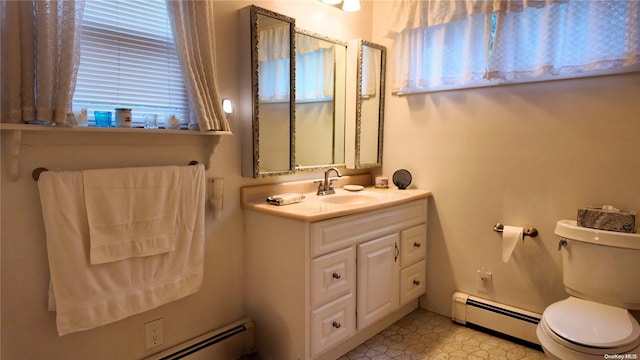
[{"x": 533, "y": 232}]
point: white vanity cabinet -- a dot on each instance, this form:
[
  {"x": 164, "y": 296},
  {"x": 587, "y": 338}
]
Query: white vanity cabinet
[{"x": 318, "y": 289}]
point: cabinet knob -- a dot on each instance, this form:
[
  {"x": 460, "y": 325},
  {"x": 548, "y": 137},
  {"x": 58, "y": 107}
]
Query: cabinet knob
[
  {"x": 336, "y": 276},
  {"x": 417, "y": 244},
  {"x": 336, "y": 324},
  {"x": 416, "y": 282}
]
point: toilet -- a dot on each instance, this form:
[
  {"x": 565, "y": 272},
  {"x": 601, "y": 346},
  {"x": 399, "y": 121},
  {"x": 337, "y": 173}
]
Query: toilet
[{"x": 601, "y": 273}]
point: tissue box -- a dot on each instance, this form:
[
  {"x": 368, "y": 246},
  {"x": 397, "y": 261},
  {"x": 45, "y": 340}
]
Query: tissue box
[{"x": 596, "y": 218}]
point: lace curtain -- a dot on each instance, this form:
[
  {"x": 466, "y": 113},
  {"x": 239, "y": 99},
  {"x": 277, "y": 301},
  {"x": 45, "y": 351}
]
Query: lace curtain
[
  {"x": 414, "y": 14},
  {"x": 566, "y": 38},
  {"x": 314, "y": 69},
  {"x": 40, "y": 58},
  {"x": 274, "y": 63},
  {"x": 442, "y": 55},
  {"x": 454, "y": 44},
  {"x": 370, "y": 67},
  {"x": 192, "y": 23}
]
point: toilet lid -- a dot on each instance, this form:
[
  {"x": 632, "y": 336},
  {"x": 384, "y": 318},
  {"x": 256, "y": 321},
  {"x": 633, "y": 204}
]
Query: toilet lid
[{"x": 592, "y": 324}]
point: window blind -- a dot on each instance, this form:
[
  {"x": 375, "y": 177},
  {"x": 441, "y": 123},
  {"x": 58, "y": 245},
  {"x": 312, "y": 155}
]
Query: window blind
[{"x": 128, "y": 59}]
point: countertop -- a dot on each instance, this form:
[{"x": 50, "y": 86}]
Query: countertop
[{"x": 316, "y": 208}]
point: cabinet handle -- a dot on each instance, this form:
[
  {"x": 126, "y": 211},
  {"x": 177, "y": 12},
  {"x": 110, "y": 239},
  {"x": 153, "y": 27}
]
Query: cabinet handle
[
  {"x": 417, "y": 244},
  {"x": 336, "y": 324},
  {"x": 416, "y": 282},
  {"x": 336, "y": 276},
  {"x": 397, "y": 252}
]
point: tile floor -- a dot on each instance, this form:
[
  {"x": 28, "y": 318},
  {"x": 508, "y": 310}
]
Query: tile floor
[{"x": 423, "y": 335}]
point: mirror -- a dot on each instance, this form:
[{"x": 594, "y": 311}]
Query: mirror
[
  {"x": 364, "y": 135},
  {"x": 269, "y": 136},
  {"x": 320, "y": 101}
]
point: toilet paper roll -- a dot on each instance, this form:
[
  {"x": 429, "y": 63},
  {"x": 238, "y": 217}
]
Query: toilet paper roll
[{"x": 511, "y": 235}]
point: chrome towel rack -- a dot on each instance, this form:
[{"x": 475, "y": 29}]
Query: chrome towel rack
[
  {"x": 533, "y": 232},
  {"x": 35, "y": 174}
]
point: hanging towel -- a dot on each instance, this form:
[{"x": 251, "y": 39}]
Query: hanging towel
[
  {"x": 132, "y": 211},
  {"x": 85, "y": 295}
]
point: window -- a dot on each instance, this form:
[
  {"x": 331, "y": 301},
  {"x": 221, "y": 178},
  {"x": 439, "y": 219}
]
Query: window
[
  {"x": 128, "y": 60},
  {"x": 511, "y": 42}
]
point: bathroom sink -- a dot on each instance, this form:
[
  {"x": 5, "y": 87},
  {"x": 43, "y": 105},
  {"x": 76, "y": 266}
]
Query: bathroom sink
[{"x": 350, "y": 199}]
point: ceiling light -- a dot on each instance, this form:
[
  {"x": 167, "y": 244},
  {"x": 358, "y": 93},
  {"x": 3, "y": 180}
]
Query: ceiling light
[{"x": 351, "y": 5}]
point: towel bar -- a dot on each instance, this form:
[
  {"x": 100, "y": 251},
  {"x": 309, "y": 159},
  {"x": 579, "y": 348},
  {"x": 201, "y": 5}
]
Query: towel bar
[
  {"x": 533, "y": 232},
  {"x": 35, "y": 174}
]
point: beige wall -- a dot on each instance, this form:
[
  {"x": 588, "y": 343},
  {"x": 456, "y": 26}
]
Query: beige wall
[
  {"x": 28, "y": 329},
  {"x": 524, "y": 155}
]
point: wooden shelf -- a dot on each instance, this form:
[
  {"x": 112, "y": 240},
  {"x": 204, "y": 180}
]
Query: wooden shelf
[
  {"x": 14, "y": 139},
  {"x": 112, "y": 130}
]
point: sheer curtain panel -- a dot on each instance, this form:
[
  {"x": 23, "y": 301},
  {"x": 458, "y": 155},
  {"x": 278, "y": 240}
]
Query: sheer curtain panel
[
  {"x": 442, "y": 56},
  {"x": 314, "y": 69},
  {"x": 566, "y": 38},
  {"x": 441, "y": 44},
  {"x": 192, "y": 23},
  {"x": 274, "y": 63},
  {"x": 40, "y": 57}
]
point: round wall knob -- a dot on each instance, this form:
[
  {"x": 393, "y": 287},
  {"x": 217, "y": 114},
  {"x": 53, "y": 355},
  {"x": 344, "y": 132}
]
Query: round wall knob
[
  {"x": 336, "y": 276},
  {"x": 417, "y": 244},
  {"x": 336, "y": 324},
  {"x": 416, "y": 282}
]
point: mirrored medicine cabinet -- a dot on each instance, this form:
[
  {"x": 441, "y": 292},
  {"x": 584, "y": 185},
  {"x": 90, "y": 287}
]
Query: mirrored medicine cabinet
[
  {"x": 268, "y": 79},
  {"x": 367, "y": 62},
  {"x": 321, "y": 85},
  {"x": 299, "y": 109}
]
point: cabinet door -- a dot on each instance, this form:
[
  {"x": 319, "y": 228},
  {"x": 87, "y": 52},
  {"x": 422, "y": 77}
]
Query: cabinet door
[{"x": 378, "y": 279}]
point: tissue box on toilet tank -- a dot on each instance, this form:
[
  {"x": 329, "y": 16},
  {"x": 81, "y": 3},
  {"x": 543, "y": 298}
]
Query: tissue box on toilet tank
[{"x": 596, "y": 218}]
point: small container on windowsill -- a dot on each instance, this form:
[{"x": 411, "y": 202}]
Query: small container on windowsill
[
  {"x": 172, "y": 122},
  {"x": 123, "y": 117}
]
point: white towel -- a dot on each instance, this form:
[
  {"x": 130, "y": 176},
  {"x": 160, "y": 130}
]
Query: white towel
[
  {"x": 87, "y": 296},
  {"x": 132, "y": 211}
]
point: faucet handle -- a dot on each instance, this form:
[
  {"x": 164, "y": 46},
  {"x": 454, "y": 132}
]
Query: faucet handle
[
  {"x": 331, "y": 182},
  {"x": 319, "y": 182}
]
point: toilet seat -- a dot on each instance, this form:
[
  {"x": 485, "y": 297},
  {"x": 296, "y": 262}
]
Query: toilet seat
[{"x": 590, "y": 328}]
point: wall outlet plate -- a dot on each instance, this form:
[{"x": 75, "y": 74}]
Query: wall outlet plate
[
  {"x": 153, "y": 333},
  {"x": 484, "y": 280}
]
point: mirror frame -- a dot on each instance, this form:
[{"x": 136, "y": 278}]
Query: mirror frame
[
  {"x": 353, "y": 147},
  {"x": 251, "y": 160},
  {"x": 322, "y": 167}
]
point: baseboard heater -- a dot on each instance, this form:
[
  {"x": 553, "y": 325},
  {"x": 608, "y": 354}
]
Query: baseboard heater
[
  {"x": 233, "y": 341},
  {"x": 514, "y": 323}
]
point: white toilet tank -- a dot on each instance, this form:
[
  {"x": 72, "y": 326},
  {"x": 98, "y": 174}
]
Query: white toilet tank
[{"x": 600, "y": 265}]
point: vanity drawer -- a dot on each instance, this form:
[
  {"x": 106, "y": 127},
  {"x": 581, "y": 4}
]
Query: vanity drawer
[
  {"x": 334, "y": 234},
  {"x": 412, "y": 282},
  {"x": 333, "y": 323},
  {"x": 413, "y": 244},
  {"x": 332, "y": 275}
]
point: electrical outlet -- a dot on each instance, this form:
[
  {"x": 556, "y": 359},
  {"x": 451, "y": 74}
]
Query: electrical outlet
[
  {"x": 484, "y": 280},
  {"x": 153, "y": 333}
]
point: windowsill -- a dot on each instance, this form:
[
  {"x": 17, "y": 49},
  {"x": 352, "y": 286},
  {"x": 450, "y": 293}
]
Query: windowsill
[
  {"x": 523, "y": 81},
  {"x": 34, "y": 127},
  {"x": 56, "y": 135}
]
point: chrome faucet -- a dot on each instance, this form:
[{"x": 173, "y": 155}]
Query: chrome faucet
[{"x": 325, "y": 187}]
